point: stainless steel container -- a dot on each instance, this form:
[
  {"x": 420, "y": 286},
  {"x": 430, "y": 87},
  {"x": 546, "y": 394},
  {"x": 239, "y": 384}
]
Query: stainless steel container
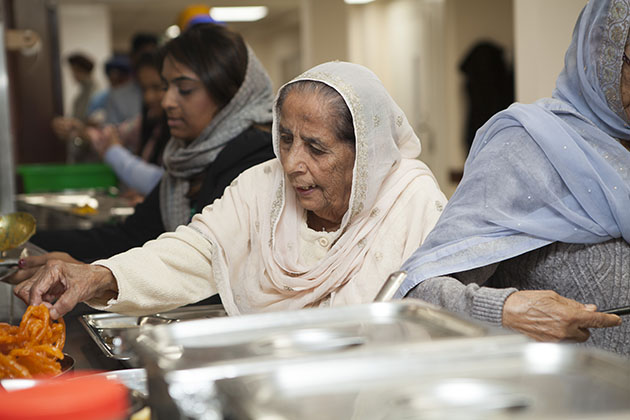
[
  {"x": 183, "y": 360},
  {"x": 518, "y": 381},
  {"x": 66, "y": 210},
  {"x": 107, "y": 329},
  {"x": 304, "y": 332}
]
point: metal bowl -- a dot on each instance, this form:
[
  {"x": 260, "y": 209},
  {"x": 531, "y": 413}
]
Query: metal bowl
[{"x": 67, "y": 366}]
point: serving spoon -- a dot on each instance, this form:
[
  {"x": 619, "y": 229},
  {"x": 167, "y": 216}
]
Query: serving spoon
[
  {"x": 15, "y": 229},
  {"x": 624, "y": 310}
]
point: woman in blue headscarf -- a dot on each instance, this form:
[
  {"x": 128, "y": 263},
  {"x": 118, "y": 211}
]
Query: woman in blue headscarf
[{"x": 536, "y": 237}]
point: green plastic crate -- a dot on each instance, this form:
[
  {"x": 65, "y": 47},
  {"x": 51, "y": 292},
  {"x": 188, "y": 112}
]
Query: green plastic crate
[{"x": 47, "y": 177}]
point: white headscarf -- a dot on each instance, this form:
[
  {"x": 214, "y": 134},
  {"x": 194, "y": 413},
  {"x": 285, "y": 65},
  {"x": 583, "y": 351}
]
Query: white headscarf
[{"x": 394, "y": 203}]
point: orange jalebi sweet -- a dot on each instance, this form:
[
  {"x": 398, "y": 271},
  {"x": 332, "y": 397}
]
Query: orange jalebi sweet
[{"x": 34, "y": 348}]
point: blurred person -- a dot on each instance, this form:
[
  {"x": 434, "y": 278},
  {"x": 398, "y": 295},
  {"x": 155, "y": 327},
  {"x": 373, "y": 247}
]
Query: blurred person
[
  {"x": 218, "y": 101},
  {"x": 343, "y": 204},
  {"x": 124, "y": 99},
  {"x": 124, "y": 102},
  {"x": 81, "y": 67},
  {"x": 118, "y": 72},
  {"x": 146, "y": 135},
  {"x": 536, "y": 236},
  {"x": 489, "y": 85},
  {"x": 141, "y": 44},
  {"x": 68, "y": 128}
]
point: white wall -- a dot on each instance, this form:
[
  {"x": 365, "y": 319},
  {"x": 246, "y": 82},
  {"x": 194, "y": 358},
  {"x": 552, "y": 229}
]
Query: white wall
[
  {"x": 542, "y": 34},
  {"x": 278, "y": 50},
  {"x": 86, "y": 29},
  {"x": 415, "y": 47},
  {"x": 395, "y": 40},
  {"x": 323, "y": 31}
]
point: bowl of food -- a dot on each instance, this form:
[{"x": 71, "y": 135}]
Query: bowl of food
[{"x": 33, "y": 349}]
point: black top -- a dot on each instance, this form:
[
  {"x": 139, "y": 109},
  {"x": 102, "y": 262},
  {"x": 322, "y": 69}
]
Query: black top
[{"x": 248, "y": 149}]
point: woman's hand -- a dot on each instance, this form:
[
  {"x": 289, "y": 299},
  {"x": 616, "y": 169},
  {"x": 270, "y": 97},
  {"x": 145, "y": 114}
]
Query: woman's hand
[
  {"x": 102, "y": 139},
  {"x": 66, "y": 128},
  {"x": 30, "y": 265},
  {"x": 546, "y": 316},
  {"x": 61, "y": 285}
]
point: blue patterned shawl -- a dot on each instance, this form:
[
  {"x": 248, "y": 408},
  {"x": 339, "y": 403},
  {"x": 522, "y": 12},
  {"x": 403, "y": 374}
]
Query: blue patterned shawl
[{"x": 544, "y": 172}]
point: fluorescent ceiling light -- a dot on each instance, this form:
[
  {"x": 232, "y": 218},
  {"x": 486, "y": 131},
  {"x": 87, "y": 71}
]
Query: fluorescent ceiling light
[
  {"x": 238, "y": 14},
  {"x": 357, "y": 1}
]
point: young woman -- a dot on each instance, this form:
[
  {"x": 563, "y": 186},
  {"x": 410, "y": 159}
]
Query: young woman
[{"x": 217, "y": 101}]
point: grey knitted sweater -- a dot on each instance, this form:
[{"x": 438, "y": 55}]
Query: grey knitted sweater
[{"x": 598, "y": 274}]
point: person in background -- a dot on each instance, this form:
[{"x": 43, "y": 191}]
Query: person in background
[
  {"x": 68, "y": 128},
  {"x": 536, "y": 236},
  {"x": 81, "y": 67},
  {"x": 72, "y": 129},
  {"x": 489, "y": 85},
  {"x": 118, "y": 72},
  {"x": 146, "y": 135},
  {"x": 324, "y": 224},
  {"x": 217, "y": 101},
  {"x": 124, "y": 102}
]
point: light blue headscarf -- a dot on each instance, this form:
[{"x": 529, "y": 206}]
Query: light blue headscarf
[{"x": 544, "y": 172}]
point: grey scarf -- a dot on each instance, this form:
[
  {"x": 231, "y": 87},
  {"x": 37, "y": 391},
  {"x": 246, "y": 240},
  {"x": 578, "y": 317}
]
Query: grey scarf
[{"x": 250, "y": 105}]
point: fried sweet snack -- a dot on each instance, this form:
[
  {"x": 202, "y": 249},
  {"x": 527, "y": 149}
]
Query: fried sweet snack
[{"x": 34, "y": 348}]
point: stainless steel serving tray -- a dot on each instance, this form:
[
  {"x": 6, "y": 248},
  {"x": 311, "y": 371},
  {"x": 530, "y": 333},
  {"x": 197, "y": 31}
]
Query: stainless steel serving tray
[
  {"x": 298, "y": 333},
  {"x": 107, "y": 329},
  {"x": 64, "y": 210},
  {"x": 507, "y": 381}
]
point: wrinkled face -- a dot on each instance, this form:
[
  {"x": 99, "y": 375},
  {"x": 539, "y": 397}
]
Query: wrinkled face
[
  {"x": 152, "y": 90},
  {"x": 625, "y": 84},
  {"x": 317, "y": 163},
  {"x": 188, "y": 105}
]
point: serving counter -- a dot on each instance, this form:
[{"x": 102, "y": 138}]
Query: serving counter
[
  {"x": 79, "y": 344},
  {"x": 386, "y": 360},
  {"x": 81, "y": 209}
]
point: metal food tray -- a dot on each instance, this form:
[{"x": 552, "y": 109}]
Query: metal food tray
[
  {"x": 298, "y": 333},
  {"x": 107, "y": 329},
  {"x": 522, "y": 381}
]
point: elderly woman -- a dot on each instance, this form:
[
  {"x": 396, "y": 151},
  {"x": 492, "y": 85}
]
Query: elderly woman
[
  {"x": 342, "y": 206},
  {"x": 217, "y": 99},
  {"x": 541, "y": 218}
]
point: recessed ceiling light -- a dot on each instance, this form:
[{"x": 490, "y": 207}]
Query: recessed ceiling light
[
  {"x": 173, "y": 31},
  {"x": 357, "y": 1},
  {"x": 238, "y": 14}
]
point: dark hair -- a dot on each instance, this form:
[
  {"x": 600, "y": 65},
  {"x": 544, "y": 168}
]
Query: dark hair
[
  {"x": 147, "y": 130},
  {"x": 118, "y": 62},
  {"x": 215, "y": 54},
  {"x": 148, "y": 59},
  {"x": 140, "y": 40},
  {"x": 148, "y": 127},
  {"x": 337, "y": 108},
  {"x": 81, "y": 61}
]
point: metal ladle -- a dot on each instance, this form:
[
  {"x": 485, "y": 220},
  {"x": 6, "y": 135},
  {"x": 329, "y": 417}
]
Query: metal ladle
[{"x": 15, "y": 229}]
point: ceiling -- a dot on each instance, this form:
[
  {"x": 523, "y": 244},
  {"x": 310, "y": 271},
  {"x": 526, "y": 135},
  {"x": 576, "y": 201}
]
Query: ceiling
[{"x": 154, "y": 16}]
